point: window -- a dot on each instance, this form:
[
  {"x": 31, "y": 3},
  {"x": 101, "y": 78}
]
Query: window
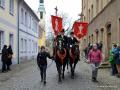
[
  {"x": 36, "y": 47},
  {"x": 22, "y": 15},
  {"x": 92, "y": 12},
  {"x": 25, "y": 19},
  {"x": 11, "y": 40},
  {"x": 29, "y": 20},
  {"x": 102, "y": 34},
  {"x": 1, "y": 40},
  {"x": 2, "y": 3},
  {"x": 32, "y": 24},
  {"x": 97, "y": 6},
  {"x": 97, "y": 36},
  {"x": 21, "y": 45},
  {"x": 92, "y": 39},
  {"x": 32, "y": 46},
  {"x": 11, "y": 8},
  {"x": 101, "y": 4},
  {"x": 41, "y": 15},
  {"x": 25, "y": 46},
  {"x": 89, "y": 15},
  {"x": 41, "y": 1},
  {"x": 29, "y": 45}
]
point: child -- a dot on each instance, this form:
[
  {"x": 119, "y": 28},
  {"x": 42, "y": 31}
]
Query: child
[{"x": 42, "y": 63}]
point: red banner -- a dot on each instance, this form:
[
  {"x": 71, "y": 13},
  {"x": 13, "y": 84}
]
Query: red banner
[
  {"x": 80, "y": 29},
  {"x": 56, "y": 24}
]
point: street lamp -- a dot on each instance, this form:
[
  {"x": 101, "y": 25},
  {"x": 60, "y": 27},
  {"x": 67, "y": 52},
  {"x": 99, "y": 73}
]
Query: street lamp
[{"x": 81, "y": 16}]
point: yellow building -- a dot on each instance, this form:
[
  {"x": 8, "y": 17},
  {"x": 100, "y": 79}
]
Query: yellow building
[
  {"x": 42, "y": 35},
  {"x": 8, "y": 25},
  {"x": 42, "y": 39}
]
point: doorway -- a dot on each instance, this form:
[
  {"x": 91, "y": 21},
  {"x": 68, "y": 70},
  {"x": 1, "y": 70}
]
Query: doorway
[{"x": 109, "y": 43}]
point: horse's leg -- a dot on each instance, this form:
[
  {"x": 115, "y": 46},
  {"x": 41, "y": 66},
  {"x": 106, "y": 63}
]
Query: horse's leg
[
  {"x": 68, "y": 65},
  {"x": 58, "y": 70},
  {"x": 63, "y": 70},
  {"x": 75, "y": 63},
  {"x": 71, "y": 66},
  {"x": 59, "y": 73}
]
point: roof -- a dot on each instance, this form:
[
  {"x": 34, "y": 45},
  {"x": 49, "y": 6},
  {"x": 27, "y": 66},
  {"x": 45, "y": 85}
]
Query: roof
[{"x": 31, "y": 10}]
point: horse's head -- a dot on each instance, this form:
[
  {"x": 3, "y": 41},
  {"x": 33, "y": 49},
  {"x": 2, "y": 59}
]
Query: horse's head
[{"x": 60, "y": 47}]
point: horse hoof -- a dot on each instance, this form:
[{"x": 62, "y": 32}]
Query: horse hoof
[
  {"x": 59, "y": 81},
  {"x": 63, "y": 77}
]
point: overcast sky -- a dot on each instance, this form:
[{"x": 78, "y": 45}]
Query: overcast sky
[{"x": 71, "y": 7}]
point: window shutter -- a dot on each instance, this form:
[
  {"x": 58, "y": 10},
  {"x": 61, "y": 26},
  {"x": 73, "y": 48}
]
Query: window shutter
[{"x": 3, "y": 3}]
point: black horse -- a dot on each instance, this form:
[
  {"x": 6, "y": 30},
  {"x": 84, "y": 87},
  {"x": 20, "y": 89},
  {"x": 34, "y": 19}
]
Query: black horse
[
  {"x": 74, "y": 56},
  {"x": 60, "y": 54}
]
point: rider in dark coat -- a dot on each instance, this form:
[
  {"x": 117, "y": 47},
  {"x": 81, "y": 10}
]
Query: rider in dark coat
[
  {"x": 72, "y": 40},
  {"x": 62, "y": 39}
]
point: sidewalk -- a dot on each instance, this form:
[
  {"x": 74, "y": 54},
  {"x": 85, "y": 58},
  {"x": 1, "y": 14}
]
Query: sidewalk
[{"x": 14, "y": 69}]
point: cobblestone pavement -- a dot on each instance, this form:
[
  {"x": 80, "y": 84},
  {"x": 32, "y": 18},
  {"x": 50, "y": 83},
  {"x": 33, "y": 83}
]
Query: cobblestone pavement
[{"x": 26, "y": 77}]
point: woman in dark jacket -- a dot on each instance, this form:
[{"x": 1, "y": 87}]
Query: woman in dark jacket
[
  {"x": 9, "y": 60},
  {"x": 42, "y": 63},
  {"x": 4, "y": 58}
]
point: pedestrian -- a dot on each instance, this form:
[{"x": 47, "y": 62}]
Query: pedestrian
[
  {"x": 117, "y": 60},
  {"x": 4, "y": 58},
  {"x": 9, "y": 60},
  {"x": 114, "y": 49},
  {"x": 95, "y": 58},
  {"x": 42, "y": 63},
  {"x": 112, "y": 62}
]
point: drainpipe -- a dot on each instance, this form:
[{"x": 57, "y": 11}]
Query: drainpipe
[{"x": 18, "y": 29}]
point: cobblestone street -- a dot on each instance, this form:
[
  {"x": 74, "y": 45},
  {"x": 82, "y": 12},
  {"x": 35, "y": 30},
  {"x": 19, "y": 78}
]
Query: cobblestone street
[{"x": 26, "y": 77}]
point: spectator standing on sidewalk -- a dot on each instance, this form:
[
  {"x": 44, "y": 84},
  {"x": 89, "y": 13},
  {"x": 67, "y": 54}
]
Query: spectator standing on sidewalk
[
  {"x": 95, "y": 58},
  {"x": 42, "y": 63},
  {"x": 112, "y": 62},
  {"x": 117, "y": 60},
  {"x": 9, "y": 60},
  {"x": 4, "y": 58}
]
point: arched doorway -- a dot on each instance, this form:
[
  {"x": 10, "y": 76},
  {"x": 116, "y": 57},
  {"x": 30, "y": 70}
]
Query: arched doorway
[
  {"x": 109, "y": 43},
  {"x": 97, "y": 35}
]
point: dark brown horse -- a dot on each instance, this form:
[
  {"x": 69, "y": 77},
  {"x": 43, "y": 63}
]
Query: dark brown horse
[
  {"x": 60, "y": 59},
  {"x": 74, "y": 56}
]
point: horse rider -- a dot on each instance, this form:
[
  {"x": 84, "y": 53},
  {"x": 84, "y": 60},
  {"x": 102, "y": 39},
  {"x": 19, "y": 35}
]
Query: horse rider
[
  {"x": 62, "y": 39},
  {"x": 72, "y": 40}
]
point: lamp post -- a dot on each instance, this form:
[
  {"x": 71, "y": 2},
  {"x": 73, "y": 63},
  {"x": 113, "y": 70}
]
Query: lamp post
[{"x": 81, "y": 16}]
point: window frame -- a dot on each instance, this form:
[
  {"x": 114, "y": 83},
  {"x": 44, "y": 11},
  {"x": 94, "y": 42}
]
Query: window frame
[
  {"x": 11, "y": 7},
  {"x": 2, "y": 4}
]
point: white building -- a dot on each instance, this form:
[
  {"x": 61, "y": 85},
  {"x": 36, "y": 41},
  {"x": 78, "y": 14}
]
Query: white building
[{"x": 28, "y": 32}]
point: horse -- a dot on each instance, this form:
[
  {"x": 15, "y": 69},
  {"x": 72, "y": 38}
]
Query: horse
[
  {"x": 74, "y": 54},
  {"x": 60, "y": 53}
]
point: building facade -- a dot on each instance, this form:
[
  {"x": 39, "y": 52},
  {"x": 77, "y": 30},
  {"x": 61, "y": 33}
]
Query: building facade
[
  {"x": 41, "y": 13},
  {"x": 103, "y": 17},
  {"x": 28, "y": 32},
  {"x": 8, "y": 25}
]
